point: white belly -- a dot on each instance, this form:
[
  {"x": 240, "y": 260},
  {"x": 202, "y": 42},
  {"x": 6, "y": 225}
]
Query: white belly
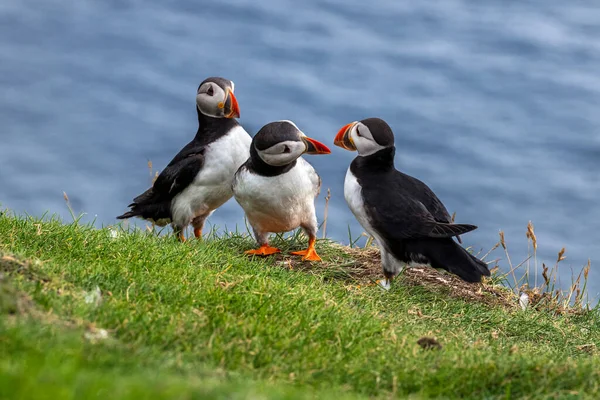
[
  {"x": 354, "y": 198},
  {"x": 278, "y": 203},
  {"x": 212, "y": 186}
]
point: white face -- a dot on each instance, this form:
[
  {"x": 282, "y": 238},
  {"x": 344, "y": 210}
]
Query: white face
[
  {"x": 282, "y": 153},
  {"x": 211, "y": 99},
  {"x": 363, "y": 140}
]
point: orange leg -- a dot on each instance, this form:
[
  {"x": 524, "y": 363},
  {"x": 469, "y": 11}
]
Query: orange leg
[
  {"x": 181, "y": 237},
  {"x": 198, "y": 224},
  {"x": 309, "y": 254},
  {"x": 264, "y": 250}
]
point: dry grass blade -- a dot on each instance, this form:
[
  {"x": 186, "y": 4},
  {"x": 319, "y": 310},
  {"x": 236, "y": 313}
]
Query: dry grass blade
[
  {"x": 512, "y": 269},
  {"x": 492, "y": 249},
  {"x": 531, "y": 236},
  {"x": 549, "y": 295},
  {"x": 545, "y": 274},
  {"x": 326, "y": 212},
  {"x": 502, "y": 241},
  {"x": 561, "y": 256},
  {"x": 154, "y": 176},
  {"x": 69, "y": 206}
]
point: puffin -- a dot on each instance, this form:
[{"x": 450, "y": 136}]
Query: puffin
[
  {"x": 198, "y": 179},
  {"x": 276, "y": 187},
  {"x": 407, "y": 220}
]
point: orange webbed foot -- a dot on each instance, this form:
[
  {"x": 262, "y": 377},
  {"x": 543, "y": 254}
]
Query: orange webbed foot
[
  {"x": 264, "y": 250},
  {"x": 307, "y": 255}
]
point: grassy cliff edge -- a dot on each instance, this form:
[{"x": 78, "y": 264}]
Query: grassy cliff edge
[{"x": 87, "y": 313}]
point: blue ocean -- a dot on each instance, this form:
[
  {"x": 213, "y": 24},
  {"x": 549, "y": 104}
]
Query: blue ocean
[{"x": 495, "y": 105}]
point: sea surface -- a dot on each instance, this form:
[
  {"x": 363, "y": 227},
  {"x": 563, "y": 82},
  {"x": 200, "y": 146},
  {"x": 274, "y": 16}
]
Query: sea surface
[{"x": 495, "y": 104}]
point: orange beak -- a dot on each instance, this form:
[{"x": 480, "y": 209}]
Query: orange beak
[
  {"x": 232, "y": 109},
  {"x": 315, "y": 147},
  {"x": 343, "y": 138}
]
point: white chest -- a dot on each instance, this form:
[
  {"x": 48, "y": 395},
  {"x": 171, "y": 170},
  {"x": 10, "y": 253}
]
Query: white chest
[
  {"x": 354, "y": 199},
  {"x": 212, "y": 186},
  {"x": 223, "y": 158},
  {"x": 278, "y": 203}
]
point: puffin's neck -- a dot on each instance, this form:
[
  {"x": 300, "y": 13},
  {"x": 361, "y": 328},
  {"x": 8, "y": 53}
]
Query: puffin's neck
[
  {"x": 258, "y": 166},
  {"x": 381, "y": 161},
  {"x": 211, "y": 129}
]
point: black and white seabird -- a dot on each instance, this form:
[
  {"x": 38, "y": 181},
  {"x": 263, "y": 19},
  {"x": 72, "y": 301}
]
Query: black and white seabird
[
  {"x": 277, "y": 188},
  {"x": 198, "y": 180},
  {"x": 408, "y": 221}
]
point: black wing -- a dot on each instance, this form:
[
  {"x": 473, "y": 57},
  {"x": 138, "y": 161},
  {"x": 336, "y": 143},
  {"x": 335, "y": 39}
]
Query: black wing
[
  {"x": 400, "y": 217},
  {"x": 178, "y": 175},
  {"x": 190, "y": 150},
  {"x": 425, "y": 195},
  {"x": 175, "y": 178},
  {"x": 180, "y": 172}
]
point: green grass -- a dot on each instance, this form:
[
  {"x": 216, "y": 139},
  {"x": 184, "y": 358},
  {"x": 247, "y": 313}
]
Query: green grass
[{"x": 201, "y": 320}]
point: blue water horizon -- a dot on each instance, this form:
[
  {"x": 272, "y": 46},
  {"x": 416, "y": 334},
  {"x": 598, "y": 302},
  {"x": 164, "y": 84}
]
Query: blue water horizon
[{"x": 493, "y": 105}]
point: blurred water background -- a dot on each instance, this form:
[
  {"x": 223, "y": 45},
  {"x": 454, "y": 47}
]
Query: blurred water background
[{"x": 494, "y": 104}]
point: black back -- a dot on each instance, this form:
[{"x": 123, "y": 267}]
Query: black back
[{"x": 399, "y": 206}]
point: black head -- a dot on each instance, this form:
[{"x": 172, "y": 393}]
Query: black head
[
  {"x": 281, "y": 143},
  {"x": 215, "y": 98},
  {"x": 367, "y": 136}
]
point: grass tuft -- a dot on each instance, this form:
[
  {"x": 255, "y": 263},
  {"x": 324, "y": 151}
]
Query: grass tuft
[{"x": 548, "y": 294}]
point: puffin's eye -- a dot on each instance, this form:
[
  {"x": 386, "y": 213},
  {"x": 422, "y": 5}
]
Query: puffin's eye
[
  {"x": 358, "y": 131},
  {"x": 210, "y": 91},
  {"x": 286, "y": 149}
]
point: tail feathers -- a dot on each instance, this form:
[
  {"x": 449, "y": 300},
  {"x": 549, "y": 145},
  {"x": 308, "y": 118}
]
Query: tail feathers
[
  {"x": 128, "y": 214},
  {"x": 442, "y": 230},
  {"x": 146, "y": 197},
  {"x": 449, "y": 255},
  {"x": 149, "y": 205},
  {"x": 154, "y": 212}
]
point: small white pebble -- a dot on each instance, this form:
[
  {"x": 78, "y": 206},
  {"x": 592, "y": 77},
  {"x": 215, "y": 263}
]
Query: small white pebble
[
  {"x": 113, "y": 233},
  {"x": 524, "y": 301},
  {"x": 94, "y": 296},
  {"x": 97, "y": 334}
]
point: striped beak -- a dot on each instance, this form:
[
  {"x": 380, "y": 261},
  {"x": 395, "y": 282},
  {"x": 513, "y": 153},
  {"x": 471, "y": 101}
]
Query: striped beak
[
  {"x": 314, "y": 147},
  {"x": 343, "y": 138},
  {"x": 232, "y": 109}
]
